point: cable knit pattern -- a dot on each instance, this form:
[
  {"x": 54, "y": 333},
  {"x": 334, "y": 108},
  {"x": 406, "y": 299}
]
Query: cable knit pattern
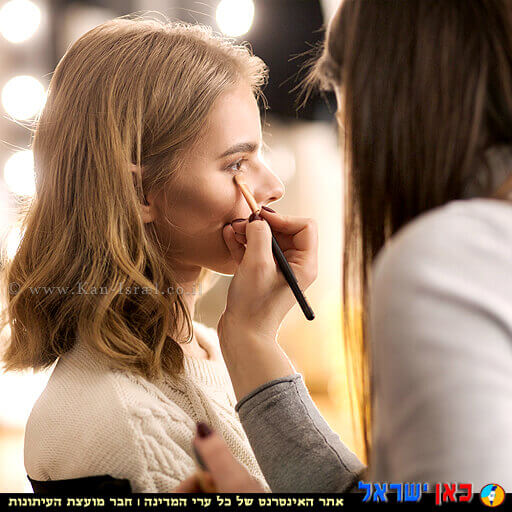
[{"x": 95, "y": 420}]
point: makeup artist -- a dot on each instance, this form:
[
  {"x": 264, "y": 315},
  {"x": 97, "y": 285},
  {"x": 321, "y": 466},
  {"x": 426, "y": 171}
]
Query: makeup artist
[{"x": 424, "y": 94}]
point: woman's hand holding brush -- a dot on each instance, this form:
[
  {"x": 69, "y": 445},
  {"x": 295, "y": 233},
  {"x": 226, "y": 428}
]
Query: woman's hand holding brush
[
  {"x": 259, "y": 297},
  {"x": 269, "y": 297}
]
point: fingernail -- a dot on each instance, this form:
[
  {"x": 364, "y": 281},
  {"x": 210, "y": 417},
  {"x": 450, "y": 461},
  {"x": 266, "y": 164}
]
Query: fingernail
[
  {"x": 203, "y": 430},
  {"x": 268, "y": 209},
  {"x": 255, "y": 216},
  {"x": 237, "y": 220}
]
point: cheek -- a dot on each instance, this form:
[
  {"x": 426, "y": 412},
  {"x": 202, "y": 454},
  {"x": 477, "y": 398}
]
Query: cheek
[
  {"x": 231, "y": 204},
  {"x": 228, "y": 205},
  {"x": 199, "y": 207}
]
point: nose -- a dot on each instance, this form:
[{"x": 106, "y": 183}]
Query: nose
[{"x": 267, "y": 187}]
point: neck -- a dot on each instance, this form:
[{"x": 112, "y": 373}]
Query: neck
[
  {"x": 189, "y": 291},
  {"x": 187, "y": 278},
  {"x": 187, "y": 282}
]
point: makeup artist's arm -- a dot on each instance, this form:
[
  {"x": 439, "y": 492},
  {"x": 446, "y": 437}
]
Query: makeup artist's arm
[
  {"x": 295, "y": 447},
  {"x": 293, "y": 444}
]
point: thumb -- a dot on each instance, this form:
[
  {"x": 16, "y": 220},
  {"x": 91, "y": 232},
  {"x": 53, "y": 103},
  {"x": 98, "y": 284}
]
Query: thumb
[
  {"x": 235, "y": 248},
  {"x": 259, "y": 241}
]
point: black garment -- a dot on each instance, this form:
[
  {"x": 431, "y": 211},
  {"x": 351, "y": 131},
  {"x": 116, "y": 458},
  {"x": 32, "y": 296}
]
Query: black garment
[{"x": 99, "y": 484}]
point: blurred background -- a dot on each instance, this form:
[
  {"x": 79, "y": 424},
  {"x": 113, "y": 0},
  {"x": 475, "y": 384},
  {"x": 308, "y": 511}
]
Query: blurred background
[{"x": 302, "y": 148}]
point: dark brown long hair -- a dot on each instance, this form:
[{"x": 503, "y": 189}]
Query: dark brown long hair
[{"x": 425, "y": 88}]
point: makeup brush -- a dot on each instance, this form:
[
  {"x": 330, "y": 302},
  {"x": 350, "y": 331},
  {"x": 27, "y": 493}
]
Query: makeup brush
[
  {"x": 278, "y": 255},
  {"x": 202, "y": 470}
]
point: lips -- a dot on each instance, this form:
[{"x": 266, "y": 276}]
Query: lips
[{"x": 236, "y": 219}]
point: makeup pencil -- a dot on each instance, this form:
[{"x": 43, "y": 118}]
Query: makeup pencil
[{"x": 279, "y": 256}]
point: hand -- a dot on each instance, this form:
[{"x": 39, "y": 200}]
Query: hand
[
  {"x": 259, "y": 295},
  {"x": 226, "y": 473}
]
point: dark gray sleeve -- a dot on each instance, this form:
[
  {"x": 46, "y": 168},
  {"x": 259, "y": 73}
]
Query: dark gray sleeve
[{"x": 294, "y": 446}]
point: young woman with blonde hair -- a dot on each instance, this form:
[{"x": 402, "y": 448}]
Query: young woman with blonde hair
[{"x": 144, "y": 126}]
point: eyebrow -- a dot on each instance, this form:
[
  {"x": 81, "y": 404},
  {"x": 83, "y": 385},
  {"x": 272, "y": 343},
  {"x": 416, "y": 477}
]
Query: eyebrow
[{"x": 242, "y": 147}]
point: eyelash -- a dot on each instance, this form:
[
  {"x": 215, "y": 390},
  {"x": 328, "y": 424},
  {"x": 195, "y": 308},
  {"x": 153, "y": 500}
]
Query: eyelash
[{"x": 238, "y": 162}]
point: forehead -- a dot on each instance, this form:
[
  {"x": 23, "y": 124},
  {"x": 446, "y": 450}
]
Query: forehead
[{"x": 234, "y": 118}]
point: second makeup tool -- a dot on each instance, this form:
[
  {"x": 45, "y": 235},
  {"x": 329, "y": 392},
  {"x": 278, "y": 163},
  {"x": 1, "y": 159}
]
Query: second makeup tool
[{"x": 202, "y": 473}]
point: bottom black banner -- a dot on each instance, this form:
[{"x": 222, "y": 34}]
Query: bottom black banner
[{"x": 249, "y": 502}]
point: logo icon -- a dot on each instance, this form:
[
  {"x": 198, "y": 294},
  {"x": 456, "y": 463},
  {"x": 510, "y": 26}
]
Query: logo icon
[{"x": 492, "y": 495}]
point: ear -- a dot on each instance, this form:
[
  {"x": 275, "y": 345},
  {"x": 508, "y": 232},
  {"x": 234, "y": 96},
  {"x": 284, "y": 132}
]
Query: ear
[
  {"x": 146, "y": 213},
  {"x": 146, "y": 210}
]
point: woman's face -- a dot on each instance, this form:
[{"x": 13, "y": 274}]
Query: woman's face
[{"x": 203, "y": 197}]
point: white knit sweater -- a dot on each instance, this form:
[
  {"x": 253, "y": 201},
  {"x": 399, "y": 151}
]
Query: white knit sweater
[{"x": 93, "y": 420}]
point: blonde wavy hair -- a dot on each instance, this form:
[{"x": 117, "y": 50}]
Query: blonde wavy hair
[{"x": 131, "y": 91}]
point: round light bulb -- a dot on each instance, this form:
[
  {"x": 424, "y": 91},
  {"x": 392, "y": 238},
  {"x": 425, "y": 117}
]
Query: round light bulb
[
  {"x": 19, "y": 20},
  {"x": 235, "y": 17},
  {"x": 19, "y": 173},
  {"x": 23, "y": 97}
]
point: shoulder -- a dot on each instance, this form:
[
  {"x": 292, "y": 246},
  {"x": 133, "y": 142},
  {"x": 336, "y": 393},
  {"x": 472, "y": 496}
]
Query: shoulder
[
  {"x": 91, "y": 420},
  {"x": 440, "y": 323},
  {"x": 450, "y": 267},
  {"x": 462, "y": 238},
  {"x": 75, "y": 417},
  {"x": 74, "y": 393}
]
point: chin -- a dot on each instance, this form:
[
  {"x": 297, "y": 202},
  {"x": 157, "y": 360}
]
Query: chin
[{"x": 226, "y": 267}]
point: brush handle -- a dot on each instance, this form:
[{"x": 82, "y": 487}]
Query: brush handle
[
  {"x": 291, "y": 279},
  {"x": 201, "y": 472}
]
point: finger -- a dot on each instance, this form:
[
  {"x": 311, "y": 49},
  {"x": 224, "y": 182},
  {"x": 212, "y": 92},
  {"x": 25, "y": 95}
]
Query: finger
[
  {"x": 303, "y": 230},
  {"x": 259, "y": 243},
  {"x": 208, "y": 479},
  {"x": 240, "y": 226},
  {"x": 241, "y": 239},
  {"x": 287, "y": 224},
  {"x": 307, "y": 239},
  {"x": 284, "y": 241},
  {"x": 235, "y": 248},
  {"x": 285, "y": 237},
  {"x": 191, "y": 485},
  {"x": 224, "y": 468}
]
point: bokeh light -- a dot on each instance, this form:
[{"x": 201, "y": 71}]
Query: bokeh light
[
  {"x": 19, "y": 20},
  {"x": 12, "y": 242},
  {"x": 235, "y": 17},
  {"x": 19, "y": 173},
  {"x": 23, "y": 97}
]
